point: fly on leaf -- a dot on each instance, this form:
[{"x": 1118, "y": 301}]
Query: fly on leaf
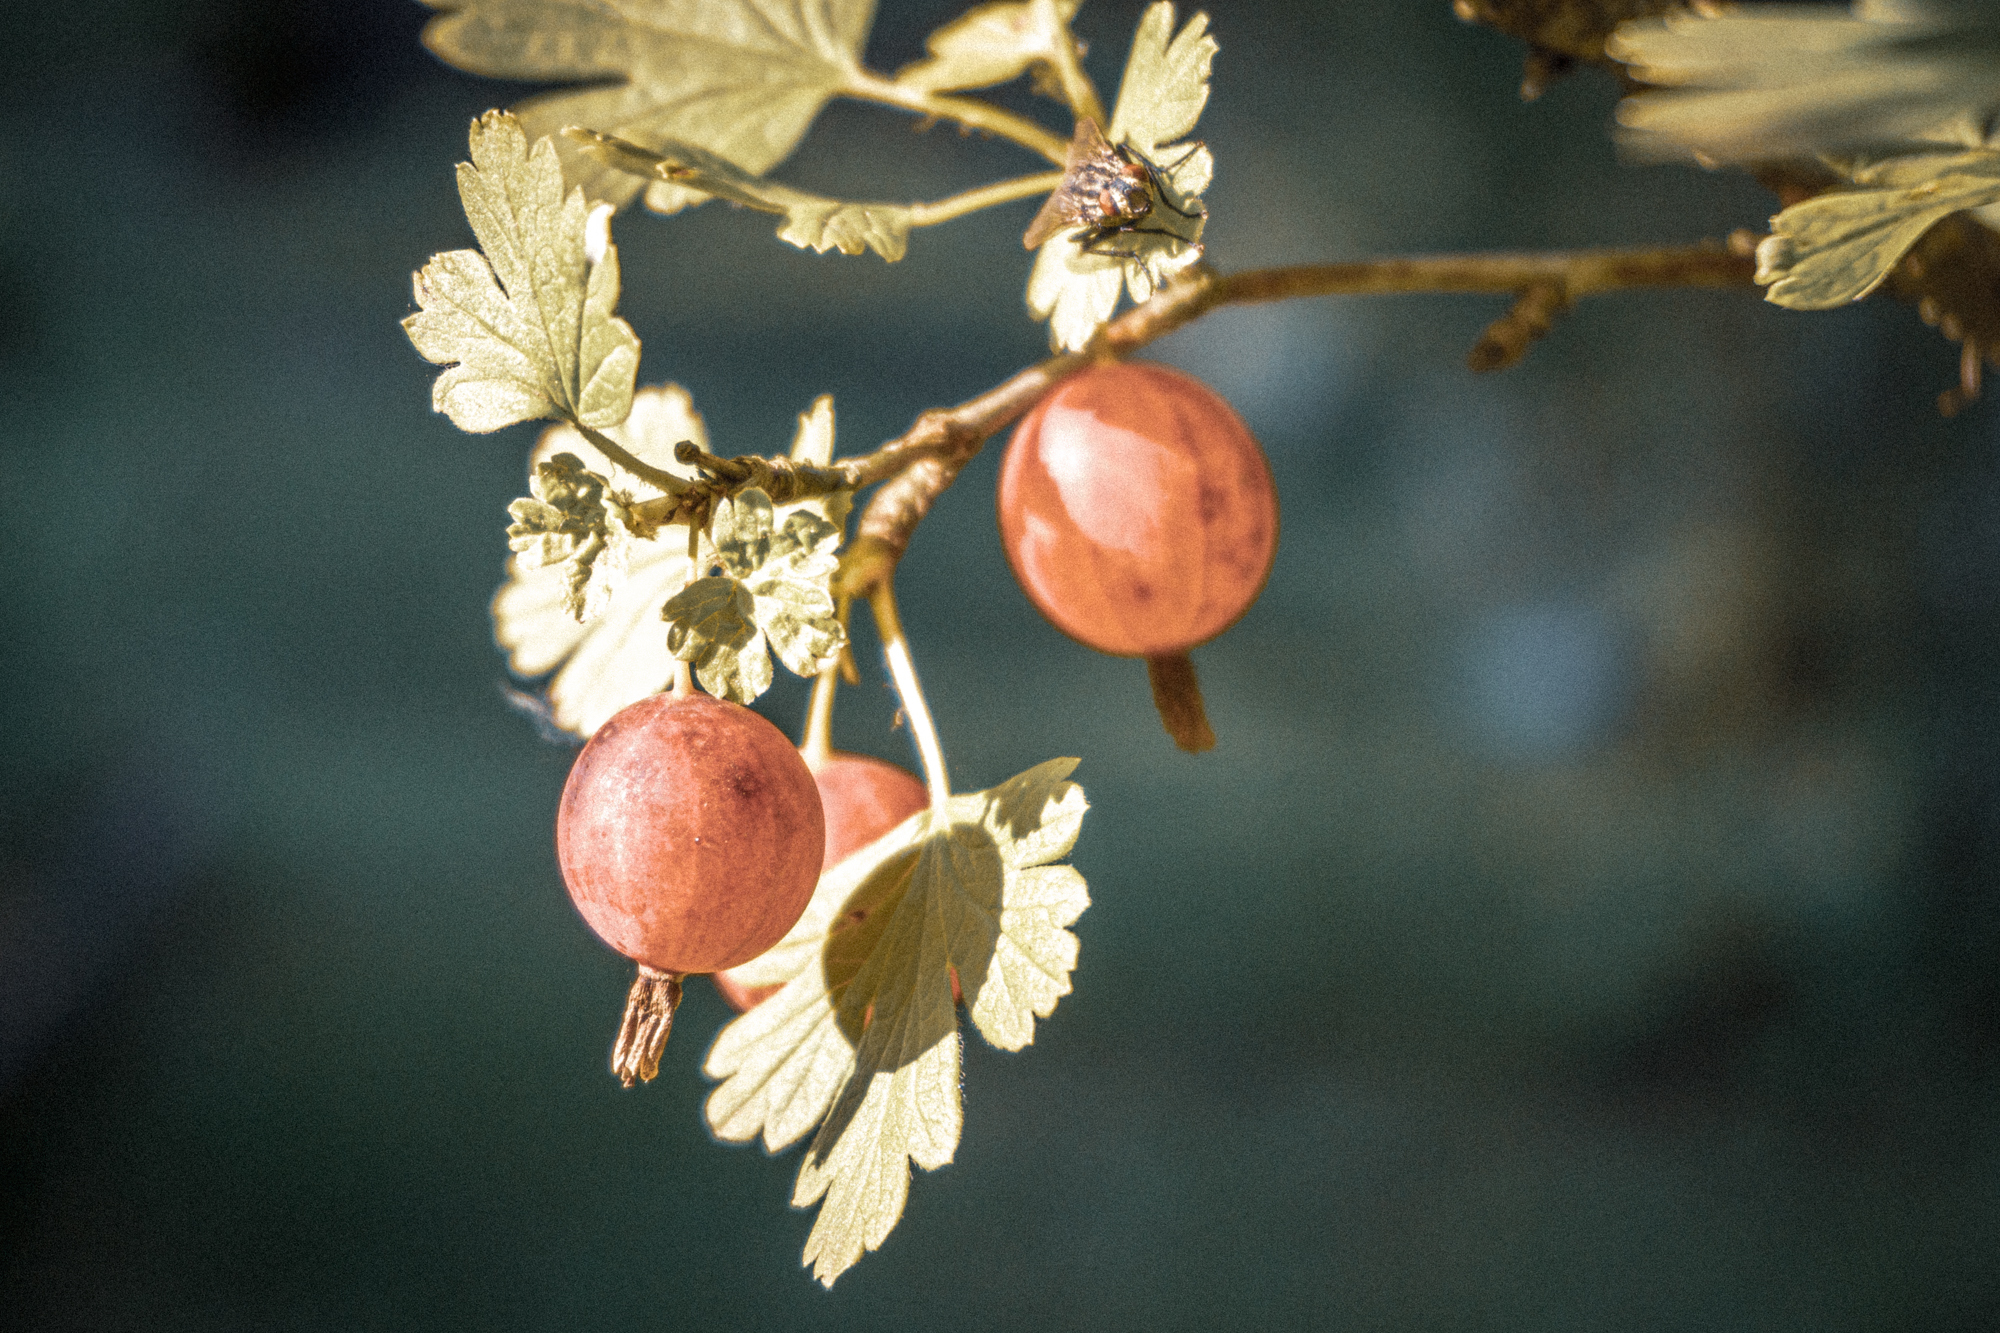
[{"x": 1107, "y": 189}]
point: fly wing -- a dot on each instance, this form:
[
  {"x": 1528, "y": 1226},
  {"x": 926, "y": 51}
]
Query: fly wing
[
  {"x": 1087, "y": 152},
  {"x": 1058, "y": 211}
]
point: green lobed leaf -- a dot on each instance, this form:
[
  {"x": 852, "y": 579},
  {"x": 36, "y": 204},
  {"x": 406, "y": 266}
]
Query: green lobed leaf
[
  {"x": 773, "y": 594},
  {"x": 811, "y": 221},
  {"x": 526, "y": 328},
  {"x": 1793, "y": 81},
  {"x": 1838, "y": 246},
  {"x": 742, "y": 79},
  {"x": 992, "y": 44},
  {"x": 1076, "y": 281},
  {"x": 862, "y": 1039}
]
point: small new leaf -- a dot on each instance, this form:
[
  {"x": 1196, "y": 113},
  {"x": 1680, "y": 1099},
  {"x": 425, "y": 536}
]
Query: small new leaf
[
  {"x": 1838, "y": 246},
  {"x": 812, "y": 221},
  {"x": 570, "y": 521},
  {"x": 621, "y": 656},
  {"x": 862, "y": 1039},
  {"x": 1753, "y": 86},
  {"x": 742, "y": 79},
  {"x": 526, "y": 327},
  {"x": 993, "y": 44},
  {"x": 773, "y": 592},
  {"x": 1079, "y": 272}
]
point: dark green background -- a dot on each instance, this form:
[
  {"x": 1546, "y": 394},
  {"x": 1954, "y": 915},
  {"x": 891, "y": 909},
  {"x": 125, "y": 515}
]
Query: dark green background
[{"x": 1587, "y": 921}]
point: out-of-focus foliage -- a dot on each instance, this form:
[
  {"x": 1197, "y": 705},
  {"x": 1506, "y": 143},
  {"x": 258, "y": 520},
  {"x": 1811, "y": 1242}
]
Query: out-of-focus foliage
[
  {"x": 993, "y": 44},
  {"x": 1839, "y": 246},
  {"x": 1559, "y": 33},
  {"x": 740, "y": 78},
  {"x": 1767, "y": 83},
  {"x": 525, "y": 323},
  {"x": 862, "y": 1039}
]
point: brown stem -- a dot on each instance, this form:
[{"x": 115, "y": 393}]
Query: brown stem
[
  {"x": 631, "y": 462},
  {"x": 1508, "y": 338},
  {"x": 922, "y": 463},
  {"x": 1177, "y": 694},
  {"x": 926, "y": 459},
  {"x": 648, "y": 1022}
]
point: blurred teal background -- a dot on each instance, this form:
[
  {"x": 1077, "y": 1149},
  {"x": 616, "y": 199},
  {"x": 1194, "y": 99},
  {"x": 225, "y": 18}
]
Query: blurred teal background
[{"x": 1587, "y": 921}]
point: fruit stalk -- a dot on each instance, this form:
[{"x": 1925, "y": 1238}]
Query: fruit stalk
[{"x": 896, "y": 648}]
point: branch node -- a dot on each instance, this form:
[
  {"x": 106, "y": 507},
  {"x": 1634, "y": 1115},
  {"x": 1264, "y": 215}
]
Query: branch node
[{"x": 1508, "y": 338}]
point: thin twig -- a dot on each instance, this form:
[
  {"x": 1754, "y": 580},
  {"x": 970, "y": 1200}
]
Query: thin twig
[
  {"x": 631, "y": 462},
  {"x": 921, "y": 464},
  {"x": 1077, "y": 89},
  {"x": 986, "y": 196},
  {"x": 926, "y": 459},
  {"x": 971, "y": 112}
]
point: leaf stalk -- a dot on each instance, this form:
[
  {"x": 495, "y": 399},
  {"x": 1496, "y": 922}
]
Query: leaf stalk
[{"x": 971, "y": 112}]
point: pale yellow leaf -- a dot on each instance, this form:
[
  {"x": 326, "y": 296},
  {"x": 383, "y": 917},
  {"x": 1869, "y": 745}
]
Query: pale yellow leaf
[
  {"x": 526, "y": 327},
  {"x": 1838, "y": 246},
  {"x": 867, "y": 971},
  {"x": 1080, "y": 272}
]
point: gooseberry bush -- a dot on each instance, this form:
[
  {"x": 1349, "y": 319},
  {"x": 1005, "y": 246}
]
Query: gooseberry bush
[{"x": 846, "y": 908}]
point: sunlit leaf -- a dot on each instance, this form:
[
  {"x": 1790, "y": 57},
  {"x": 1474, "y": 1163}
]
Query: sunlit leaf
[
  {"x": 1080, "y": 271},
  {"x": 621, "y": 655},
  {"x": 1757, "y": 84},
  {"x": 569, "y": 520},
  {"x": 742, "y": 79},
  {"x": 862, "y": 1038},
  {"x": 526, "y": 327},
  {"x": 1838, "y": 246},
  {"x": 1166, "y": 81}
]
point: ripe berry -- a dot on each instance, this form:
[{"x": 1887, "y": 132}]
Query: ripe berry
[
  {"x": 1139, "y": 516},
  {"x": 863, "y": 799},
  {"x": 690, "y": 835}
]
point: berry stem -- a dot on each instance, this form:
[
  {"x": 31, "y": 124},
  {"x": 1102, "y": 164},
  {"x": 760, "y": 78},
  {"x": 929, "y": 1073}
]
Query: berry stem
[
  {"x": 648, "y": 1022},
  {"x": 818, "y": 745},
  {"x": 1177, "y": 694},
  {"x": 882, "y": 601}
]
